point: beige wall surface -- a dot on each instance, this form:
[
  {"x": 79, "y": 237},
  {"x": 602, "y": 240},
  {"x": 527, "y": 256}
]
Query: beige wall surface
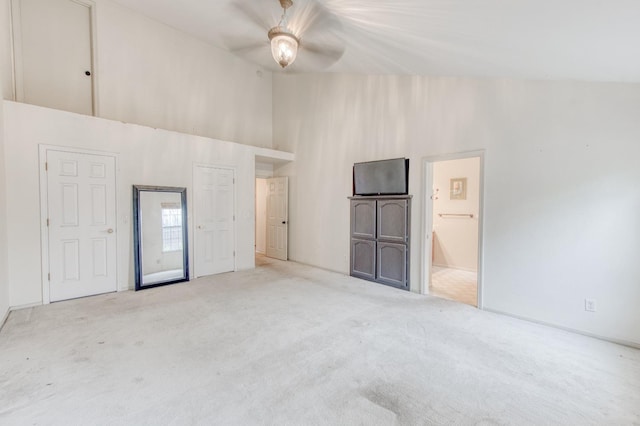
[{"x": 561, "y": 193}]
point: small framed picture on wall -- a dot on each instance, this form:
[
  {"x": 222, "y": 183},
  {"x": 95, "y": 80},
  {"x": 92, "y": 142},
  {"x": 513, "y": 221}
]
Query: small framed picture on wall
[{"x": 458, "y": 189}]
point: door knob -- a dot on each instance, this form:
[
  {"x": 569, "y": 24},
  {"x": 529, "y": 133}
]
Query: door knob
[
  {"x": 87, "y": 73},
  {"x": 110, "y": 231},
  {"x": 284, "y": 222}
]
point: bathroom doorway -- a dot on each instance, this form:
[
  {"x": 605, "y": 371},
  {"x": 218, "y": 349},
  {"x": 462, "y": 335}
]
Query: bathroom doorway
[{"x": 453, "y": 224}]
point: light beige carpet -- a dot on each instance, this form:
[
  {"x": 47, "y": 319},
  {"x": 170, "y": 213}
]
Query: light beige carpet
[{"x": 288, "y": 344}]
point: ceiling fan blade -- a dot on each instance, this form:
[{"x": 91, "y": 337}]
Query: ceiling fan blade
[
  {"x": 244, "y": 49},
  {"x": 332, "y": 52},
  {"x": 311, "y": 19},
  {"x": 259, "y": 16},
  {"x": 257, "y": 53},
  {"x": 317, "y": 57}
]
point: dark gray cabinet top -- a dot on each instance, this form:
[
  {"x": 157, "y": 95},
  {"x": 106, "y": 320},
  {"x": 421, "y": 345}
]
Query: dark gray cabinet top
[{"x": 380, "y": 197}]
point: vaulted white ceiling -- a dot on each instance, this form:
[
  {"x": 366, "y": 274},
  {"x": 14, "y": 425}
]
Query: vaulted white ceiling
[{"x": 596, "y": 40}]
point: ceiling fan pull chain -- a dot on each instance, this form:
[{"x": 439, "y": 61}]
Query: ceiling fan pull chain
[{"x": 283, "y": 19}]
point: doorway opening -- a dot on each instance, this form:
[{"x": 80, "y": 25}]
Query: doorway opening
[
  {"x": 271, "y": 207},
  {"x": 261, "y": 216},
  {"x": 272, "y": 217},
  {"x": 453, "y": 224}
]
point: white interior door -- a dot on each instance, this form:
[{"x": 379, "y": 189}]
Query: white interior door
[
  {"x": 261, "y": 215},
  {"x": 214, "y": 219},
  {"x": 81, "y": 211},
  {"x": 277, "y": 217},
  {"x": 53, "y": 52}
]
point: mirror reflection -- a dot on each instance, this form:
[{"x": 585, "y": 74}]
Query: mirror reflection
[{"x": 160, "y": 221}]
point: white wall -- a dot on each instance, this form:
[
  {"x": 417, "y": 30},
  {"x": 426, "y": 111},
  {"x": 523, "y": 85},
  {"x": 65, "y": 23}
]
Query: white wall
[
  {"x": 4, "y": 244},
  {"x": 151, "y": 74},
  {"x": 146, "y": 156},
  {"x": 6, "y": 62},
  {"x": 5, "y": 91},
  {"x": 456, "y": 237},
  {"x": 261, "y": 215},
  {"x": 561, "y": 173},
  {"x": 4, "y": 266}
]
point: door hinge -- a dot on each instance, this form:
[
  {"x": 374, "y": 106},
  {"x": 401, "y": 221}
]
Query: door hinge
[
  {"x": 234, "y": 217},
  {"x": 234, "y": 253},
  {"x": 49, "y": 276},
  {"x": 46, "y": 166},
  {"x": 47, "y": 221}
]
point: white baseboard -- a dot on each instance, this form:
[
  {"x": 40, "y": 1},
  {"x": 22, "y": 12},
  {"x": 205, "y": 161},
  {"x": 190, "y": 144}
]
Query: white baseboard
[
  {"x": 454, "y": 267},
  {"x": 28, "y": 305},
  {"x": 622, "y": 342},
  {"x": 16, "y": 308},
  {"x": 4, "y": 318}
]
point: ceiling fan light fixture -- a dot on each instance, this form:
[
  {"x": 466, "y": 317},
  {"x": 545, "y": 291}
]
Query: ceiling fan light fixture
[{"x": 284, "y": 46}]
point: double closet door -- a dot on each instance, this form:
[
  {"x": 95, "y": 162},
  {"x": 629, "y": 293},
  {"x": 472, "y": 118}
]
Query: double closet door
[{"x": 380, "y": 239}]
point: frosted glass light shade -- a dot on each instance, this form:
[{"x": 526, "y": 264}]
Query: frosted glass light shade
[{"x": 284, "y": 46}]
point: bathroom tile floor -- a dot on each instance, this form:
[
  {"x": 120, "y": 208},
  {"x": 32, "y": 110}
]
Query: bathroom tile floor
[{"x": 454, "y": 284}]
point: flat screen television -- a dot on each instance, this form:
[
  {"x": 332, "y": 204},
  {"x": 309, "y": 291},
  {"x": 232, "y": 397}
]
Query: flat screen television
[{"x": 384, "y": 177}]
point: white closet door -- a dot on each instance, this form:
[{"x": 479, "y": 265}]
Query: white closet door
[
  {"x": 54, "y": 54},
  {"x": 215, "y": 220},
  {"x": 81, "y": 209}
]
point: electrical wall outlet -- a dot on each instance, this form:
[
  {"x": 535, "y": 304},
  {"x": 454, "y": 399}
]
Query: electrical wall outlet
[{"x": 590, "y": 305}]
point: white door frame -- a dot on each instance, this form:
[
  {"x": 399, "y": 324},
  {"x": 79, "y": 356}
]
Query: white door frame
[
  {"x": 427, "y": 218},
  {"x": 18, "y": 65},
  {"x": 44, "y": 203},
  {"x": 194, "y": 222}
]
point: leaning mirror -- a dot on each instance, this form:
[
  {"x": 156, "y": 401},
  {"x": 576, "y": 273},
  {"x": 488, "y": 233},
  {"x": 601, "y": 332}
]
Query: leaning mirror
[{"x": 160, "y": 235}]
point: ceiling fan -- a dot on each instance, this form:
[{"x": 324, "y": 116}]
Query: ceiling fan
[{"x": 306, "y": 33}]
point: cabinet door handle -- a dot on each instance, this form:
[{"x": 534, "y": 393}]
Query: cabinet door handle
[{"x": 284, "y": 222}]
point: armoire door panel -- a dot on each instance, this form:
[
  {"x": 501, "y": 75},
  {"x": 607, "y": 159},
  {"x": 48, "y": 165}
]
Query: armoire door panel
[
  {"x": 392, "y": 220},
  {"x": 363, "y": 258},
  {"x": 392, "y": 264},
  {"x": 363, "y": 219}
]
